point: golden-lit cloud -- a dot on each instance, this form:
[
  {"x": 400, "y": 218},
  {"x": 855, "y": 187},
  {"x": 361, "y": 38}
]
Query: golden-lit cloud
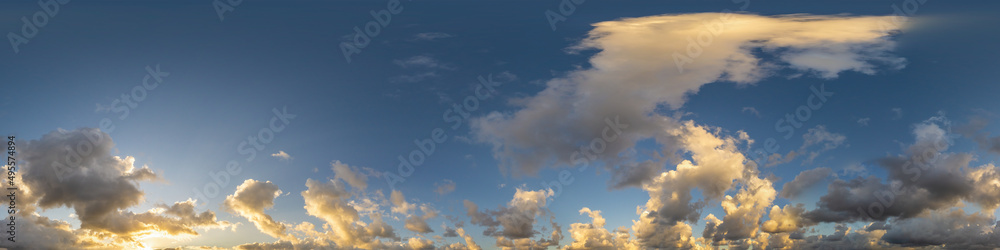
[
  {"x": 644, "y": 64},
  {"x": 100, "y": 188},
  {"x": 594, "y": 236},
  {"x": 250, "y": 200}
]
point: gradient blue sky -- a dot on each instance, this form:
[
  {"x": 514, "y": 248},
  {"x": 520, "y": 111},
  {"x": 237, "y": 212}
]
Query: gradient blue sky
[{"x": 227, "y": 76}]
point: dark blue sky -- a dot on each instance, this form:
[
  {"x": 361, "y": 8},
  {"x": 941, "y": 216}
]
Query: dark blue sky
[{"x": 226, "y": 76}]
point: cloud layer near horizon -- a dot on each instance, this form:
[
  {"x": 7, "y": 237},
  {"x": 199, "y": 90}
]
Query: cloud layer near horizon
[{"x": 99, "y": 188}]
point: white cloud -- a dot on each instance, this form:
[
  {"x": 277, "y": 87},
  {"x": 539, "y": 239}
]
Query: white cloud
[{"x": 282, "y": 155}]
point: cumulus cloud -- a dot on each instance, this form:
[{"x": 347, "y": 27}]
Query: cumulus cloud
[
  {"x": 469, "y": 242},
  {"x": 100, "y": 188},
  {"x": 594, "y": 236},
  {"x": 282, "y": 155},
  {"x": 952, "y": 228},
  {"x": 329, "y": 201},
  {"x": 448, "y": 231},
  {"x": 250, "y": 200},
  {"x": 418, "y": 224},
  {"x": 946, "y": 228},
  {"x": 925, "y": 178},
  {"x": 744, "y": 212},
  {"x": 621, "y": 99},
  {"x": 421, "y": 244},
  {"x": 341, "y": 203},
  {"x": 633, "y": 77},
  {"x": 716, "y": 166},
  {"x": 399, "y": 203},
  {"x": 513, "y": 225},
  {"x": 715, "y": 163},
  {"x": 785, "y": 220}
]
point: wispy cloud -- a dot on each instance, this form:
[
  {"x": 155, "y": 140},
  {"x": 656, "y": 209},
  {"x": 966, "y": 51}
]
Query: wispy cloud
[
  {"x": 419, "y": 77},
  {"x": 421, "y": 61},
  {"x": 425, "y": 66},
  {"x": 429, "y": 36},
  {"x": 751, "y": 110},
  {"x": 864, "y": 121},
  {"x": 814, "y": 136},
  {"x": 444, "y": 187}
]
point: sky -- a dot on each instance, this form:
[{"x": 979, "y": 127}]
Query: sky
[{"x": 571, "y": 124}]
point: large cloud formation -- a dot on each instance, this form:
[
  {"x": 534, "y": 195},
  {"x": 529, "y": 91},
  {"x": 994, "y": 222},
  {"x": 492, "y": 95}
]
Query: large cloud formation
[
  {"x": 926, "y": 178},
  {"x": 649, "y": 65},
  {"x": 75, "y": 169},
  {"x": 646, "y": 68}
]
